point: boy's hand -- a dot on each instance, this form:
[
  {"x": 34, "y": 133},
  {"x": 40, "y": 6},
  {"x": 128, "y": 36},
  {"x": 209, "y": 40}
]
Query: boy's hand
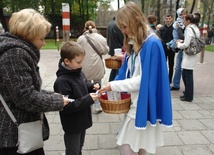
[
  {"x": 96, "y": 86},
  {"x": 94, "y": 96}
]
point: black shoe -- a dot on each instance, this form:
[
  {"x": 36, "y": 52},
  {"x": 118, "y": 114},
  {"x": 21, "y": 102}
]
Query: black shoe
[
  {"x": 182, "y": 96},
  {"x": 184, "y": 99},
  {"x": 177, "y": 50},
  {"x": 174, "y": 50},
  {"x": 174, "y": 88}
]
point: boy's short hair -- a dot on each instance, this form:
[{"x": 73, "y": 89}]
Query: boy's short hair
[{"x": 70, "y": 49}]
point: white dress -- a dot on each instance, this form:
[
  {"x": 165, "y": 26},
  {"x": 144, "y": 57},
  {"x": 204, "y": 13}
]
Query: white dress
[{"x": 149, "y": 138}]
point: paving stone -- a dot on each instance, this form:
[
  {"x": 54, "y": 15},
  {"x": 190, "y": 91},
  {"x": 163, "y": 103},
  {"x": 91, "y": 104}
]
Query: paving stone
[
  {"x": 193, "y": 137},
  {"x": 191, "y": 114},
  {"x": 172, "y": 139},
  {"x": 191, "y": 125},
  {"x": 196, "y": 150},
  {"x": 209, "y": 134}
]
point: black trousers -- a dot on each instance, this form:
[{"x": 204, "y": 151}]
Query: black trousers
[
  {"x": 187, "y": 76},
  {"x": 170, "y": 56},
  {"x": 113, "y": 74},
  {"x": 12, "y": 151},
  {"x": 74, "y": 143}
]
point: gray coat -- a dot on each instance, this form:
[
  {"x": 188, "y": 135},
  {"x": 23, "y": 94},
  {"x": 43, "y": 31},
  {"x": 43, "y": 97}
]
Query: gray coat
[{"x": 20, "y": 86}]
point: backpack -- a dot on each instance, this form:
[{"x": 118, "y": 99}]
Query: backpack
[{"x": 196, "y": 45}]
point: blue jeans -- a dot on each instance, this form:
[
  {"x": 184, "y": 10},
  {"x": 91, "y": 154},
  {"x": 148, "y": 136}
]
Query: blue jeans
[{"x": 178, "y": 71}]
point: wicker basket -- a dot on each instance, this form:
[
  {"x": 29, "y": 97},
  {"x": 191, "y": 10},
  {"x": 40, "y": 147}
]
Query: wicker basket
[
  {"x": 116, "y": 107},
  {"x": 113, "y": 63}
]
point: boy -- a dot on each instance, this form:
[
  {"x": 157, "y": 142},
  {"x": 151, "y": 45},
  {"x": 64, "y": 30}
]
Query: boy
[{"x": 71, "y": 82}]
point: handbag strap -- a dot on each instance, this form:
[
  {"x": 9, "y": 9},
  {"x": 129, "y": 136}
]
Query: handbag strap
[
  {"x": 8, "y": 110},
  {"x": 194, "y": 32},
  {"x": 92, "y": 45}
]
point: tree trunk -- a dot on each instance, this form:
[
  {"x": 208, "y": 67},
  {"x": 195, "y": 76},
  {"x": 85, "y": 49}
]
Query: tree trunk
[
  {"x": 2, "y": 18},
  {"x": 177, "y": 6},
  {"x": 193, "y": 5}
]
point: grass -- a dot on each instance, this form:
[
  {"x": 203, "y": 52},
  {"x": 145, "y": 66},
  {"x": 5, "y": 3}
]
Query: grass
[
  {"x": 209, "y": 48},
  {"x": 52, "y": 44}
]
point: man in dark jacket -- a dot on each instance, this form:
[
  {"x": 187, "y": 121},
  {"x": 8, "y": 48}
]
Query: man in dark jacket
[
  {"x": 114, "y": 40},
  {"x": 166, "y": 36}
]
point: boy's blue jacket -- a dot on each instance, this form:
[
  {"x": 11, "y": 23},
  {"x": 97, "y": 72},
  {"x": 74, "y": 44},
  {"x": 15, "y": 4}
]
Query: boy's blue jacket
[{"x": 154, "y": 101}]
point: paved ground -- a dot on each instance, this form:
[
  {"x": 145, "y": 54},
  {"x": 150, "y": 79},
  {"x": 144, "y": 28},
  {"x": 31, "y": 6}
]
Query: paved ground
[{"x": 192, "y": 133}]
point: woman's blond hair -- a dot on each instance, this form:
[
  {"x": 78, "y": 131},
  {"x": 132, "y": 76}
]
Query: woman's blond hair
[
  {"x": 28, "y": 24},
  {"x": 130, "y": 15}
]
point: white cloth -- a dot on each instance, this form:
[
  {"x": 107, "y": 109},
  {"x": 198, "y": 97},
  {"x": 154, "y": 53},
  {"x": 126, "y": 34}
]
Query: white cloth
[
  {"x": 147, "y": 139},
  {"x": 189, "y": 61}
]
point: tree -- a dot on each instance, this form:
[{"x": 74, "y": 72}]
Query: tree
[
  {"x": 193, "y": 5},
  {"x": 207, "y": 11}
]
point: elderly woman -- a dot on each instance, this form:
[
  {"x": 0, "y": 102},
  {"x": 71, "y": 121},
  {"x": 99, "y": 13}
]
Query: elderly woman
[{"x": 20, "y": 78}]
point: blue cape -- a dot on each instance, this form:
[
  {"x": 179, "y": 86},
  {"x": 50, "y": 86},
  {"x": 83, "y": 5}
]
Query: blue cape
[{"x": 154, "y": 100}]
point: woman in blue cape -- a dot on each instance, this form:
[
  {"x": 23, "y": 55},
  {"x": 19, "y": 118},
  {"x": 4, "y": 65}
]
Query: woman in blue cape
[{"x": 144, "y": 75}]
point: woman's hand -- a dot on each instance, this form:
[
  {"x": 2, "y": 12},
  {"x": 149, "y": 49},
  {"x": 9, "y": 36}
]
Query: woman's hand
[
  {"x": 118, "y": 57},
  {"x": 105, "y": 88},
  {"x": 66, "y": 100},
  {"x": 179, "y": 41}
]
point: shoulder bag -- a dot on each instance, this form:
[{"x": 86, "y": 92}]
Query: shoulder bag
[
  {"x": 92, "y": 45},
  {"x": 196, "y": 45},
  {"x": 29, "y": 134}
]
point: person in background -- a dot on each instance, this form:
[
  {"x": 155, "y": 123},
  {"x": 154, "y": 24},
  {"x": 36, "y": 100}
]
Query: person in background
[
  {"x": 182, "y": 12},
  {"x": 158, "y": 27},
  {"x": 213, "y": 35},
  {"x": 93, "y": 66},
  {"x": 166, "y": 36},
  {"x": 114, "y": 40},
  {"x": 1, "y": 29},
  {"x": 20, "y": 84},
  {"x": 209, "y": 36},
  {"x": 144, "y": 75},
  {"x": 152, "y": 21},
  {"x": 178, "y": 29},
  {"x": 71, "y": 82},
  {"x": 189, "y": 61}
]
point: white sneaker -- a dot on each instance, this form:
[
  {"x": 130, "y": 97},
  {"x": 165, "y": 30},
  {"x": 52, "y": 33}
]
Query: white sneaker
[{"x": 98, "y": 110}]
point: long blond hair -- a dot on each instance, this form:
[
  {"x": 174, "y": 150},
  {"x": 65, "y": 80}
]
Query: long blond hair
[{"x": 130, "y": 15}]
